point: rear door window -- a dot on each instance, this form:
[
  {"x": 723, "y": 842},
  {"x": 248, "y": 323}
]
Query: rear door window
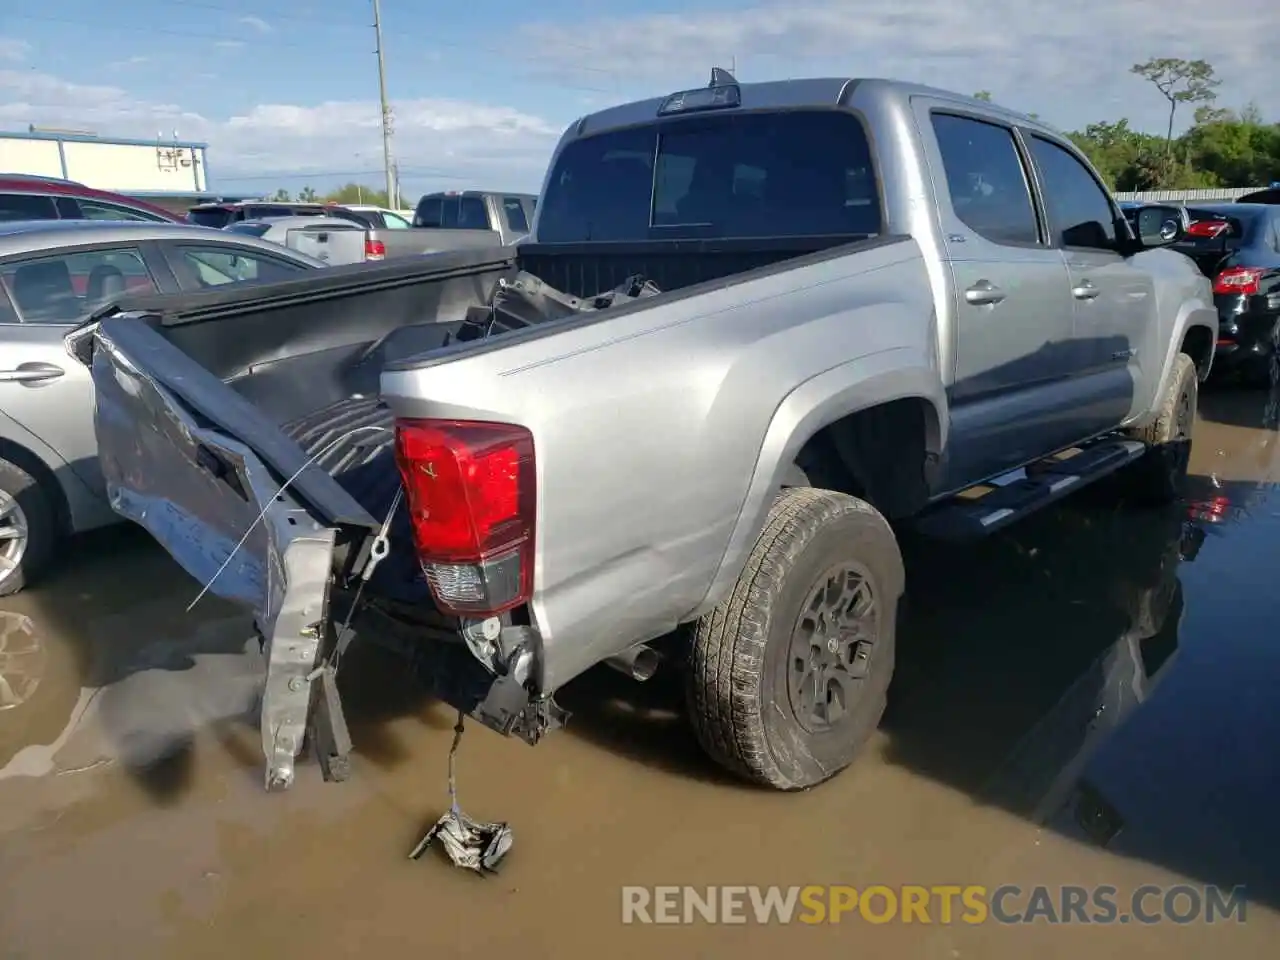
[
  {"x": 213, "y": 266},
  {"x": 986, "y": 180},
  {"x": 64, "y": 288},
  {"x": 27, "y": 206},
  {"x": 798, "y": 173}
]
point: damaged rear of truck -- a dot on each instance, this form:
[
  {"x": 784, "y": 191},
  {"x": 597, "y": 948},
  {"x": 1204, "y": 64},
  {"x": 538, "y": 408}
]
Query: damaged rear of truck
[{"x": 690, "y": 405}]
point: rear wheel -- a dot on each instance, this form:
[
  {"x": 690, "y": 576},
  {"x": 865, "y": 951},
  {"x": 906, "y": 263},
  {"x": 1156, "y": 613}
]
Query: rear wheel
[
  {"x": 1160, "y": 474},
  {"x": 27, "y": 529},
  {"x": 788, "y": 676}
]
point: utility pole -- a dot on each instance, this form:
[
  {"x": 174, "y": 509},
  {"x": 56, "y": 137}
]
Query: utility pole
[{"x": 386, "y": 107}]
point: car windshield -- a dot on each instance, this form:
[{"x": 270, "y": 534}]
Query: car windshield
[{"x": 798, "y": 173}]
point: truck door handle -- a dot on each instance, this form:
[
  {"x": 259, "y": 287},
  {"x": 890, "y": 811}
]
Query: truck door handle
[
  {"x": 1084, "y": 291},
  {"x": 32, "y": 373},
  {"x": 984, "y": 292}
]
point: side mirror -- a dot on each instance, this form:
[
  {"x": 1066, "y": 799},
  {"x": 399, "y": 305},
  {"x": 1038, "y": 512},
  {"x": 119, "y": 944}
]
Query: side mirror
[{"x": 1159, "y": 225}]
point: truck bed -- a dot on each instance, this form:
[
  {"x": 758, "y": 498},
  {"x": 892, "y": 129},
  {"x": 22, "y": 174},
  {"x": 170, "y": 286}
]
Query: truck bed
[{"x": 303, "y": 360}]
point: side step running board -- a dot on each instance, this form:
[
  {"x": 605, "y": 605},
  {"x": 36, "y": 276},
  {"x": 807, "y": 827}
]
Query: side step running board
[{"x": 985, "y": 508}]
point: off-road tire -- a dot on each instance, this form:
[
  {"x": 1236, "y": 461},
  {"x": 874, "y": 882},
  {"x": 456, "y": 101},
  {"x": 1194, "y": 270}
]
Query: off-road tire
[
  {"x": 1159, "y": 475},
  {"x": 42, "y": 530},
  {"x": 737, "y": 678}
]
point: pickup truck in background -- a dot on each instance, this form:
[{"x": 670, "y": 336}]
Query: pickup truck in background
[
  {"x": 335, "y": 240},
  {"x": 474, "y": 218},
  {"x": 754, "y": 326},
  {"x": 219, "y": 215}
]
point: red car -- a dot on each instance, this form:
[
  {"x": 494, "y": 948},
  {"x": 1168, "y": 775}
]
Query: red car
[{"x": 25, "y": 197}]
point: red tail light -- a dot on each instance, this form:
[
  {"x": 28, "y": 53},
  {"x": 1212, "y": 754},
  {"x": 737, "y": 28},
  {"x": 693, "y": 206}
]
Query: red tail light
[
  {"x": 1244, "y": 280},
  {"x": 374, "y": 249},
  {"x": 471, "y": 491},
  {"x": 1207, "y": 229}
]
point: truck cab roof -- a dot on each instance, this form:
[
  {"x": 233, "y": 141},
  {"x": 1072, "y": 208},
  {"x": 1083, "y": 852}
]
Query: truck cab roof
[{"x": 818, "y": 92}]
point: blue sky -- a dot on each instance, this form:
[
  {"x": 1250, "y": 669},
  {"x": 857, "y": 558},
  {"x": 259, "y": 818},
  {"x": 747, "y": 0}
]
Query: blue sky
[{"x": 286, "y": 93}]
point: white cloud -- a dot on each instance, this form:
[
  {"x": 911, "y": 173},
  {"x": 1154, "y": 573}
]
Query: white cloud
[
  {"x": 1068, "y": 62},
  {"x": 129, "y": 62},
  {"x": 436, "y": 141},
  {"x": 229, "y": 44},
  {"x": 13, "y": 50},
  {"x": 257, "y": 23}
]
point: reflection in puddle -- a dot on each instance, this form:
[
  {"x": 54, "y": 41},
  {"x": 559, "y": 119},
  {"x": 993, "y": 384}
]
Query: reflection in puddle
[{"x": 22, "y": 660}]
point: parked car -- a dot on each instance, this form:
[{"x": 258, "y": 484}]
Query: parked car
[
  {"x": 1237, "y": 246},
  {"x": 1269, "y": 195},
  {"x": 330, "y": 239},
  {"x": 337, "y": 241},
  {"x": 861, "y": 302},
  {"x": 219, "y": 215},
  {"x": 52, "y": 274},
  {"x": 381, "y": 217},
  {"x": 24, "y": 197},
  {"x": 473, "y": 218}
]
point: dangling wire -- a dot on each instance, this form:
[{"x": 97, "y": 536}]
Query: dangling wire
[
  {"x": 270, "y": 502},
  {"x": 453, "y": 753}
]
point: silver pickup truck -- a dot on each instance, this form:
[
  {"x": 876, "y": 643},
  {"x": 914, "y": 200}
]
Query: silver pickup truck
[
  {"x": 757, "y": 331},
  {"x": 474, "y": 218}
]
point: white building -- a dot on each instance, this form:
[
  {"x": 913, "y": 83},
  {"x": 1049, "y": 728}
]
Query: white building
[{"x": 170, "y": 173}]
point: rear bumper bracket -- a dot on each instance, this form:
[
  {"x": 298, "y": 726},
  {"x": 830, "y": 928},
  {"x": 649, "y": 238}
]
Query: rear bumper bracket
[{"x": 295, "y": 640}]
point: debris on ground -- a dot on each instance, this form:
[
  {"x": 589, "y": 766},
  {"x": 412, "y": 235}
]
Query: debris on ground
[{"x": 468, "y": 843}]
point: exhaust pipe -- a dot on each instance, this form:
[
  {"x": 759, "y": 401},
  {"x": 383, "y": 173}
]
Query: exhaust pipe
[{"x": 639, "y": 662}]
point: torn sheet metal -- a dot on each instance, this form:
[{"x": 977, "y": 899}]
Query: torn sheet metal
[{"x": 213, "y": 505}]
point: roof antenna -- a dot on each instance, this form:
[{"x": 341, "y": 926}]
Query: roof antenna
[{"x": 720, "y": 77}]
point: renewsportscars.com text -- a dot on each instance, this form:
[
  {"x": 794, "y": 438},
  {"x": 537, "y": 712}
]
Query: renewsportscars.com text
[{"x": 937, "y": 904}]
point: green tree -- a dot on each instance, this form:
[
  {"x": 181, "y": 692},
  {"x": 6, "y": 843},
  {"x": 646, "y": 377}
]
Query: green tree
[
  {"x": 1179, "y": 81},
  {"x": 358, "y": 193},
  {"x": 307, "y": 195},
  {"x": 281, "y": 196},
  {"x": 1233, "y": 150},
  {"x": 983, "y": 95}
]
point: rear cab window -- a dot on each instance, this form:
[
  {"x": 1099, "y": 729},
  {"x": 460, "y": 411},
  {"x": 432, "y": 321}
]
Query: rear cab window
[
  {"x": 781, "y": 174},
  {"x": 429, "y": 213},
  {"x": 452, "y": 212},
  {"x": 215, "y": 217}
]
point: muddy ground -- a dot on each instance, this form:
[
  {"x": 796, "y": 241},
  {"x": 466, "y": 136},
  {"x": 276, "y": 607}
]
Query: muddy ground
[{"x": 1089, "y": 699}]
